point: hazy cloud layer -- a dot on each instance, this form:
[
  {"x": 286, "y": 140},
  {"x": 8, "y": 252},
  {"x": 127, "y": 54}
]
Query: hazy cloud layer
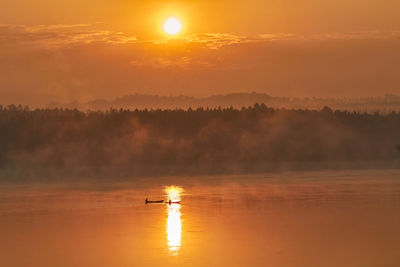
[
  {"x": 59, "y": 36},
  {"x": 63, "y": 63}
]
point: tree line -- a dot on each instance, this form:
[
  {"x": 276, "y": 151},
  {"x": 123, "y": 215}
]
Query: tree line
[{"x": 194, "y": 141}]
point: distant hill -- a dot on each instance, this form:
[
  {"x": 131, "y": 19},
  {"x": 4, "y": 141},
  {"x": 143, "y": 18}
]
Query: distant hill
[{"x": 384, "y": 104}]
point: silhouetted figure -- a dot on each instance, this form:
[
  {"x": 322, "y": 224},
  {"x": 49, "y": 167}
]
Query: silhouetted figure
[{"x": 153, "y": 201}]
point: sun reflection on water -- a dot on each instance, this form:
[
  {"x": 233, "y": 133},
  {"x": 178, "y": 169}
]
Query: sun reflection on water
[{"x": 174, "y": 221}]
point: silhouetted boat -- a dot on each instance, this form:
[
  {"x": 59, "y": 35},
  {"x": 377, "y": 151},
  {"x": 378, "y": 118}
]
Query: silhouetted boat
[
  {"x": 154, "y": 201},
  {"x": 173, "y": 202}
]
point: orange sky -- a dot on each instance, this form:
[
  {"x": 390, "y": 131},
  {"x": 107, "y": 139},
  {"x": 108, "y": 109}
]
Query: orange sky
[{"x": 56, "y": 50}]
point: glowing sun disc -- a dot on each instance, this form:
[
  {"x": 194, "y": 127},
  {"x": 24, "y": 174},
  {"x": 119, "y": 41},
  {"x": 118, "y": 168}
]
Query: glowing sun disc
[{"x": 172, "y": 26}]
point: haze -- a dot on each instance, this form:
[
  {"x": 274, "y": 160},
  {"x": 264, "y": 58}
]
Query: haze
[{"x": 63, "y": 51}]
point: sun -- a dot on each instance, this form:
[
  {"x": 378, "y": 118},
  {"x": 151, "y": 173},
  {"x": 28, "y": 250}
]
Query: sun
[{"x": 172, "y": 26}]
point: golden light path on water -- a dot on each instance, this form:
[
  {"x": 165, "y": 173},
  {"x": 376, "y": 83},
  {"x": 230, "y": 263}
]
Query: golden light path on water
[{"x": 174, "y": 221}]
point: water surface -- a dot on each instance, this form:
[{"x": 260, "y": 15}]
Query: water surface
[{"x": 346, "y": 218}]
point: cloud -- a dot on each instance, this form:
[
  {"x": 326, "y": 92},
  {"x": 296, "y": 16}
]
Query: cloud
[
  {"x": 362, "y": 35},
  {"x": 64, "y": 63},
  {"x": 276, "y": 37},
  {"x": 205, "y": 40},
  {"x": 60, "y": 36},
  {"x": 64, "y": 35},
  {"x": 217, "y": 40}
]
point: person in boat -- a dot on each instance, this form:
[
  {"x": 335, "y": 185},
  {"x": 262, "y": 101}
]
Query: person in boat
[{"x": 153, "y": 201}]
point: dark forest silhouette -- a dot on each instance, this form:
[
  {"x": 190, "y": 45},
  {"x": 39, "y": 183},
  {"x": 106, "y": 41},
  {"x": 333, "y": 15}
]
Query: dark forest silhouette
[{"x": 174, "y": 142}]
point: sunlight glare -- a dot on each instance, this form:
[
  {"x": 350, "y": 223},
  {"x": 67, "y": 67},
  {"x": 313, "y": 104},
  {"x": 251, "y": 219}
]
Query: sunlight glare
[
  {"x": 174, "y": 193},
  {"x": 174, "y": 228},
  {"x": 172, "y": 26},
  {"x": 174, "y": 221}
]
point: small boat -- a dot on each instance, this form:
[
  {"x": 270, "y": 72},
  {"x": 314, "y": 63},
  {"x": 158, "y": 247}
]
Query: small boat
[
  {"x": 154, "y": 201},
  {"x": 173, "y": 202}
]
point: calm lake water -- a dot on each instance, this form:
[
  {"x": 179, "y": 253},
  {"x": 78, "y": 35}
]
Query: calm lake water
[{"x": 346, "y": 218}]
